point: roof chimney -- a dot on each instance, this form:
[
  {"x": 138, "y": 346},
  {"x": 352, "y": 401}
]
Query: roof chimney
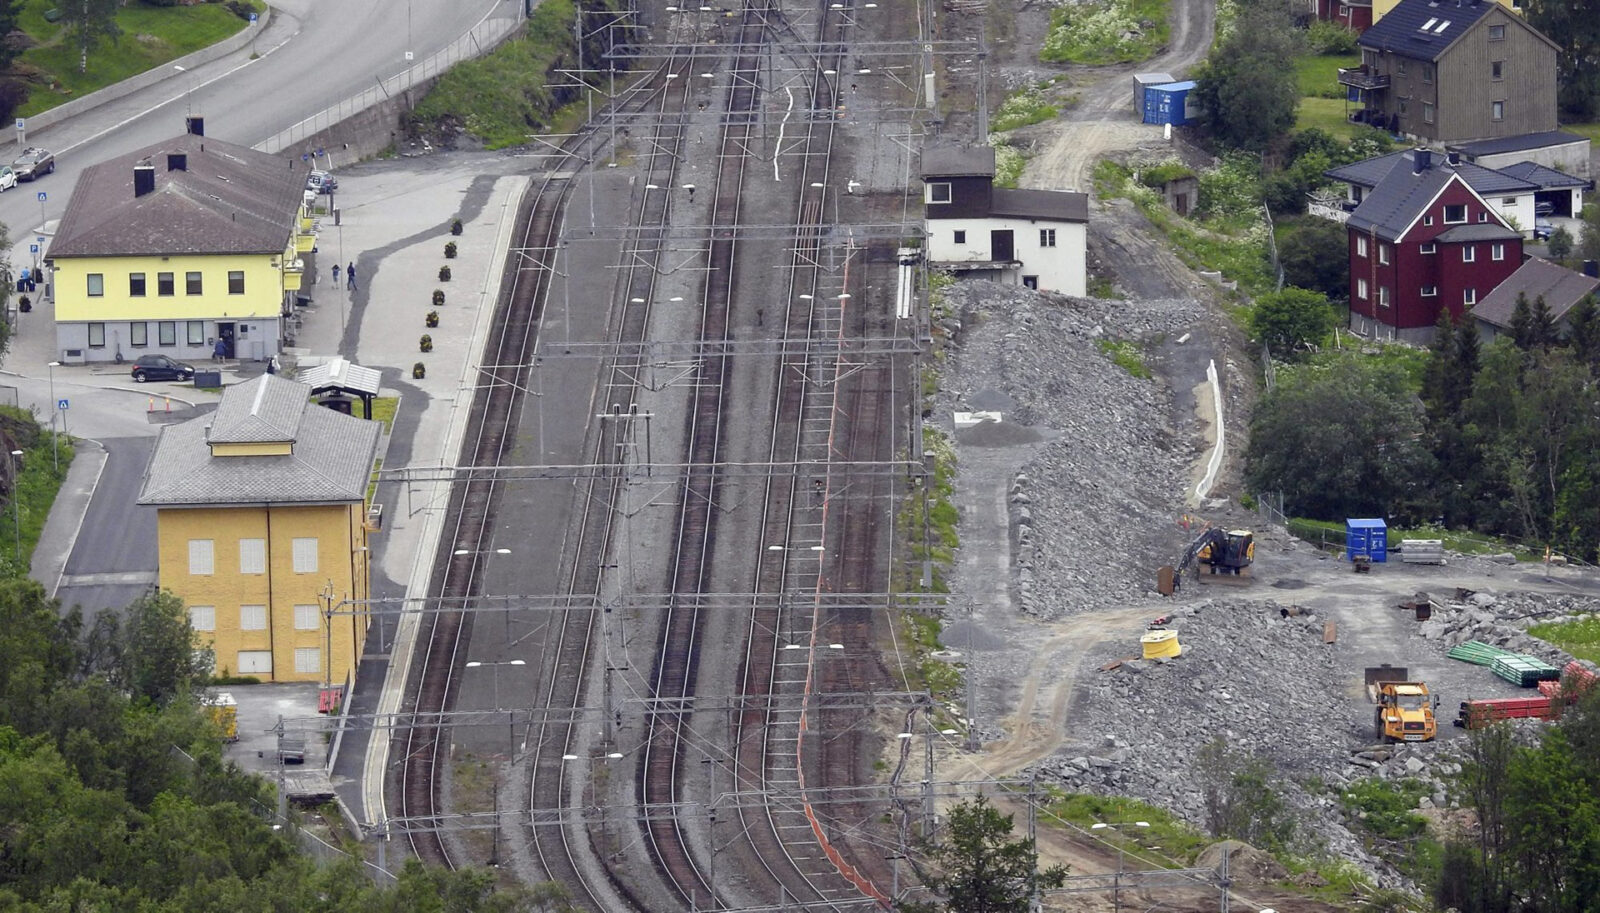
[
  {"x": 144, "y": 179},
  {"x": 1453, "y": 158},
  {"x": 1423, "y": 159},
  {"x": 177, "y": 161},
  {"x": 195, "y": 125}
]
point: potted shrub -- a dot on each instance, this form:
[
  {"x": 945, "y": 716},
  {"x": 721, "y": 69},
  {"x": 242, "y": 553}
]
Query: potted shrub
[
  {"x": 444, "y": 273},
  {"x": 455, "y": 226},
  {"x": 426, "y": 343},
  {"x": 450, "y": 250},
  {"x": 419, "y": 370},
  {"x": 433, "y": 318},
  {"x": 438, "y": 297}
]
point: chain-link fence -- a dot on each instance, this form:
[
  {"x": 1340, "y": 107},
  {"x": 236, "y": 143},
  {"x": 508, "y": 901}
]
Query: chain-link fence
[{"x": 480, "y": 40}]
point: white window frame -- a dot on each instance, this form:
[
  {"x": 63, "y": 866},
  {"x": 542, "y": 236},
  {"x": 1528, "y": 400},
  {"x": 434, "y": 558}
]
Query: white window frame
[
  {"x": 1429, "y": 247},
  {"x": 1450, "y": 221},
  {"x": 305, "y": 555},
  {"x": 1469, "y": 296},
  {"x": 1497, "y": 251},
  {"x": 307, "y": 618},
  {"x": 1497, "y": 111},
  {"x": 1361, "y": 289},
  {"x": 1383, "y": 254},
  {"x": 1469, "y": 253},
  {"x": 1427, "y": 112},
  {"x": 1047, "y": 237},
  {"x": 1430, "y": 291},
  {"x": 203, "y": 617},
  {"x": 307, "y": 660},
  {"x": 1361, "y": 245},
  {"x": 253, "y": 618},
  {"x": 938, "y": 192},
  {"x": 1383, "y": 296},
  {"x": 252, "y": 556},
  {"x": 202, "y": 558}
]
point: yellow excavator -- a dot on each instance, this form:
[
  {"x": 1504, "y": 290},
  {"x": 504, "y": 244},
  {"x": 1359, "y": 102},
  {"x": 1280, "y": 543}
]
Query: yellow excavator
[
  {"x": 1405, "y": 709},
  {"x": 1220, "y": 556}
]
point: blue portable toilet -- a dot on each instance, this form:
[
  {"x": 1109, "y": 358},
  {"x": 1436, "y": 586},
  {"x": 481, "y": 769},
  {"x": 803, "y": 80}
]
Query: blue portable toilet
[
  {"x": 1366, "y": 537},
  {"x": 1168, "y": 103}
]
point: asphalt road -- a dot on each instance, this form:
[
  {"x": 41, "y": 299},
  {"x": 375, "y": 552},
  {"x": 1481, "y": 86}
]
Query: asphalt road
[
  {"x": 312, "y": 54},
  {"x": 113, "y": 560}
]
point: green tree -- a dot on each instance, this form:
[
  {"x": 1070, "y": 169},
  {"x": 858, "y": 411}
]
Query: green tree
[
  {"x": 1314, "y": 254},
  {"x": 1560, "y": 243},
  {"x": 1289, "y": 319},
  {"x": 1583, "y": 333},
  {"x": 980, "y": 868},
  {"x": 1532, "y": 327},
  {"x": 1574, "y": 25},
  {"x": 89, "y": 22},
  {"x": 1363, "y": 456},
  {"x": 1245, "y": 85},
  {"x": 1589, "y": 247},
  {"x": 155, "y": 655},
  {"x": 1242, "y": 800}
]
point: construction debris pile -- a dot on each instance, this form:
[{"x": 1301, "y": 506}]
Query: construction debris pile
[
  {"x": 1502, "y": 620},
  {"x": 1094, "y": 507}
]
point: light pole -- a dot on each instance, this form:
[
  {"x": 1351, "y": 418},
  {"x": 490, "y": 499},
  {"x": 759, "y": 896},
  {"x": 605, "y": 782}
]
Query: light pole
[
  {"x": 1116, "y": 892},
  {"x": 16, "y": 504},
  {"x": 55, "y": 452},
  {"x": 511, "y": 726}
]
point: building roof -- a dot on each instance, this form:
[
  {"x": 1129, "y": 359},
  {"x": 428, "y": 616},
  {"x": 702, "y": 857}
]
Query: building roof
[
  {"x": 1545, "y": 178},
  {"x": 1423, "y": 29},
  {"x": 1520, "y": 143},
  {"x": 330, "y": 459},
  {"x": 1398, "y": 199},
  {"x": 1486, "y": 181},
  {"x": 952, "y": 161},
  {"x": 222, "y": 199},
  {"x": 339, "y": 374},
  {"x": 1560, "y": 287},
  {"x": 1483, "y": 231},
  {"x": 1058, "y": 205}
]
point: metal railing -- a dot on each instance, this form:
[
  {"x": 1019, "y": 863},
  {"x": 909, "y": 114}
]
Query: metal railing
[{"x": 479, "y": 40}]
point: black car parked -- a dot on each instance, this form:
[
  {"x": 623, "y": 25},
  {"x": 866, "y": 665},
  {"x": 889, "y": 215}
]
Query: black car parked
[{"x": 160, "y": 367}]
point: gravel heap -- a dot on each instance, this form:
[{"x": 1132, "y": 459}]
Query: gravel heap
[
  {"x": 1093, "y": 511},
  {"x": 1503, "y": 620}
]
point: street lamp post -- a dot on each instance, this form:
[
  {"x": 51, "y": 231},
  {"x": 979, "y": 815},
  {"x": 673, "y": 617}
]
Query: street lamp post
[
  {"x": 16, "y": 504},
  {"x": 1116, "y": 891},
  {"x": 511, "y": 726}
]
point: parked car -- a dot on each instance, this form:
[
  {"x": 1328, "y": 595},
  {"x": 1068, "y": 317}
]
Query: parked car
[
  {"x": 33, "y": 163},
  {"x": 1542, "y": 228},
  {"x": 8, "y": 178},
  {"x": 160, "y": 367},
  {"x": 321, "y": 182}
]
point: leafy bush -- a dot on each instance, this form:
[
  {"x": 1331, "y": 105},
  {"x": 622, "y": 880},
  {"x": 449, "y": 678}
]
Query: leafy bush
[
  {"x": 1156, "y": 176},
  {"x": 1008, "y": 163},
  {"x": 1232, "y": 191},
  {"x": 1290, "y": 319},
  {"x": 1325, "y": 38},
  {"x": 1387, "y": 809},
  {"x": 1112, "y": 31},
  {"x": 1021, "y": 109}
]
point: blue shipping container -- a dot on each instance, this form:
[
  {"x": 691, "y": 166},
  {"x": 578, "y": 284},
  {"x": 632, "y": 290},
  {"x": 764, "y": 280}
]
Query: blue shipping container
[
  {"x": 1143, "y": 81},
  {"x": 1366, "y": 537},
  {"x": 1167, "y": 104}
]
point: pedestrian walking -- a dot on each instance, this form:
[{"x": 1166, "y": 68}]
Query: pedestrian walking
[
  {"x": 220, "y": 352},
  {"x": 336, "y": 275},
  {"x": 350, "y": 276}
]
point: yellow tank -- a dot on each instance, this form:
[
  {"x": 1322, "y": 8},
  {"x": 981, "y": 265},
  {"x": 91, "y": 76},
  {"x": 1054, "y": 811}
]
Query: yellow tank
[{"x": 1159, "y": 644}]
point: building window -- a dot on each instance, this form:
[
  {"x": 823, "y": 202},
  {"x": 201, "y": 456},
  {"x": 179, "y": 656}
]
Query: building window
[
  {"x": 1430, "y": 248},
  {"x": 236, "y": 282},
  {"x": 1383, "y": 254},
  {"x": 961, "y": 237},
  {"x": 1400, "y": 67},
  {"x": 1497, "y": 110},
  {"x": 1483, "y": 216},
  {"x": 200, "y": 559},
  {"x": 938, "y": 193},
  {"x": 1430, "y": 291},
  {"x": 1030, "y": 282},
  {"x": 1403, "y": 106},
  {"x": 191, "y": 283},
  {"x": 203, "y": 617},
  {"x": 139, "y": 334},
  {"x": 1361, "y": 289},
  {"x": 167, "y": 333},
  {"x": 252, "y": 618},
  {"x": 1427, "y": 112},
  {"x": 1361, "y": 245},
  {"x": 1383, "y": 296},
  {"x": 307, "y": 618},
  {"x": 1508, "y": 201},
  {"x": 1427, "y": 220},
  {"x": 197, "y": 332},
  {"x": 97, "y": 335},
  {"x": 97, "y": 285},
  {"x": 1497, "y": 33},
  {"x": 1497, "y": 252},
  {"x": 1455, "y": 214},
  {"x": 307, "y": 660},
  {"x": 1497, "y": 69},
  {"x": 252, "y": 556},
  {"x": 1469, "y": 296},
  {"x": 1427, "y": 73},
  {"x": 1047, "y": 237},
  {"x": 1469, "y": 253},
  {"x": 136, "y": 285},
  {"x": 164, "y": 286},
  {"x": 255, "y": 662},
  {"x": 305, "y": 556}
]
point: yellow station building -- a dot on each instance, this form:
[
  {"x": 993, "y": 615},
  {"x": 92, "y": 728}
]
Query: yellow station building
[
  {"x": 172, "y": 247},
  {"x": 262, "y": 527}
]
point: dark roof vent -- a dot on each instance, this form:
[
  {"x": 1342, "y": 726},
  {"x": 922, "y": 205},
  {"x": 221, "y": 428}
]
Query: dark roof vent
[
  {"x": 144, "y": 179},
  {"x": 1423, "y": 159},
  {"x": 177, "y": 161},
  {"x": 195, "y": 125}
]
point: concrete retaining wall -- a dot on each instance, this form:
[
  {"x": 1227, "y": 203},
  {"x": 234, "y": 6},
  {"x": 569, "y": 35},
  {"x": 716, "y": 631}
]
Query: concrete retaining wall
[{"x": 365, "y": 133}]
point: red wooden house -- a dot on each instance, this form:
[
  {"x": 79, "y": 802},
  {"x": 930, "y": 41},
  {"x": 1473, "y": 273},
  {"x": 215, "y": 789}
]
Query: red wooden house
[{"x": 1422, "y": 241}]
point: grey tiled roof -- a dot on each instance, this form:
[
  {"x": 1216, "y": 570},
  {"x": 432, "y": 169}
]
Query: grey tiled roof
[
  {"x": 1518, "y": 143},
  {"x": 1544, "y": 178},
  {"x": 330, "y": 462},
  {"x": 1486, "y": 231},
  {"x": 1060, "y": 205},
  {"x": 950, "y": 161},
  {"x": 1369, "y": 172},
  {"x": 227, "y": 199},
  {"x": 1397, "y": 200},
  {"x": 1561, "y": 288},
  {"x": 1401, "y": 31},
  {"x": 338, "y": 373}
]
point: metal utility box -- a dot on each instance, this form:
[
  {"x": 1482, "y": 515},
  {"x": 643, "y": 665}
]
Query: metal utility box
[
  {"x": 1142, "y": 81},
  {"x": 1167, "y": 104},
  {"x": 1368, "y": 538}
]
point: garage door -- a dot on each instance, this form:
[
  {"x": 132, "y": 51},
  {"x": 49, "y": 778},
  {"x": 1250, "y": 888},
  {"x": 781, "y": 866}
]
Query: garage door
[{"x": 255, "y": 662}]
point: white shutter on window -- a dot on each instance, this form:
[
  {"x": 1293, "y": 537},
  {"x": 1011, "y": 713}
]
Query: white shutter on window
[
  {"x": 252, "y": 618},
  {"x": 252, "y": 556},
  {"x": 307, "y": 659},
  {"x": 305, "y": 556},
  {"x": 307, "y": 618},
  {"x": 203, "y": 617},
  {"x": 255, "y": 662},
  {"x": 200, "y": 558}
]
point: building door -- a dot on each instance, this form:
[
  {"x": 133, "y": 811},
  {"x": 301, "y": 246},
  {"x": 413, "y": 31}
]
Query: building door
[
  {"x": 1001, "y": 246},
  {"x": 225, "y": 337}
]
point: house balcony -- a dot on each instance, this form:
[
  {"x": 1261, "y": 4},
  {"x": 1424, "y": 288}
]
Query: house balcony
[
  {"x": 293, "y": 273},
  {"x": 1363, "y": 78},
  {"x": 305, "y": 243},
  {"x": 1334, "y": 209}
]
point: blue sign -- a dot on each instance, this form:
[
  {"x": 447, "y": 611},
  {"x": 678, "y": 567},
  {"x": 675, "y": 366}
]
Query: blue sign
[
  {"x": 252, "y": 18},
  {"x": 62, "y": 404},
  {"x": 33, "y": 248},
  {"x": 41, "y": 196}
]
